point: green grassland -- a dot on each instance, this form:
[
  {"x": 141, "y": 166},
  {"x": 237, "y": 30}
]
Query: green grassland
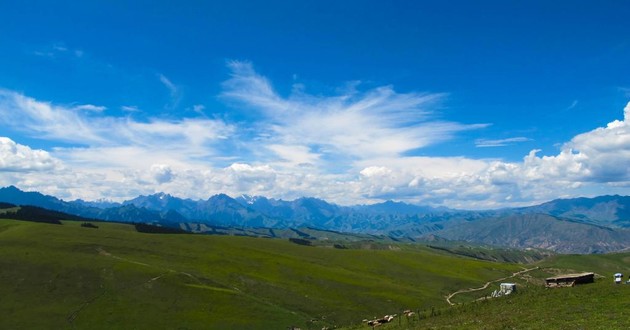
[
  {"x": 73, "y": 277},
  {"x": 68, "y": 276},
  {"x": 600, "y": 305}
]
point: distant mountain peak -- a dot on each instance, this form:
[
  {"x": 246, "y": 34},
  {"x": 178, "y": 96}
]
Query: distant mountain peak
[
  {"x": 221, "y": 196},
  {"x": 11, "y": 188},
  {"x": 248, "y": 199}
]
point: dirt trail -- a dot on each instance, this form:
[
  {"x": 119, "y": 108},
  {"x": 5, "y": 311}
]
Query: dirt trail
[
  {"x": 166, "y": 271},
  {"x": 485, "y": 286}
]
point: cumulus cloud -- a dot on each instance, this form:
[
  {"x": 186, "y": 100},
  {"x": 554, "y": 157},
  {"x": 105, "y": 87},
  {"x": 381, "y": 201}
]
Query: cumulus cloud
[
  {"x": 245, "y": 177},
  {"x": 161, "y": 173},
  {"x": 601, "y": 155},
  {"x": 589, "y": 162},
  {"x": 15, "y": 157}
]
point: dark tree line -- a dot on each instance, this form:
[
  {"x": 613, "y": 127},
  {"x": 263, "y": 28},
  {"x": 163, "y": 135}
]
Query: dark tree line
[{"x": 153, "y": 229}]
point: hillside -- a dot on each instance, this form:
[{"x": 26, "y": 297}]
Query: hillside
[
  {"x": 541, "y": 231},
  {"x": 603, "y": 210},
  {"x": 113, "y": 277},
  {"x": 35, "y": 214},
  {"x": 600, "y": 305},
  {"x": 67, "y": 276}
]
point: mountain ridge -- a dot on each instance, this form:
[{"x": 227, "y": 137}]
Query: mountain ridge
[{"x": 398, "y": 220}]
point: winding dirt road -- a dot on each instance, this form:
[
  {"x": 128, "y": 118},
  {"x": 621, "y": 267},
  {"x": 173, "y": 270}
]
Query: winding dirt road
[{"x": 450, "y": 296}]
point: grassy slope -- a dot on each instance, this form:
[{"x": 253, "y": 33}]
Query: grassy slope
[
  {"x": 54, "y": 277},
  {"x": 602, "y": 305}
]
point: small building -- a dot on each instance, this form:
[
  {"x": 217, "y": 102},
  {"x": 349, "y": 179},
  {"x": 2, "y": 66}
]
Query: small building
[
  {"x": 504, "y": 290},
  {"x": 507, "y": 288},
  {"x": 618, "y": 278},
  {"x": 569, "y": 280}
]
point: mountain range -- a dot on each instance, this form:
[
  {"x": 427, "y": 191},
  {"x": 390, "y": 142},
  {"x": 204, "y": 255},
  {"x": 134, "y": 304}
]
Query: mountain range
[{"x": 579, "y": 225}]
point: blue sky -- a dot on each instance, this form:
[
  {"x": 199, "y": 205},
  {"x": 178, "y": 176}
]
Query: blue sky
[{"x": 456, "y": 103}]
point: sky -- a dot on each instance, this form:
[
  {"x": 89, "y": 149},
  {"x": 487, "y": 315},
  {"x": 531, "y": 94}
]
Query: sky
[{"x": 464, "y": 104}]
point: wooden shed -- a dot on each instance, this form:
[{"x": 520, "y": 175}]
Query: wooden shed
[{"x": 570, "y": 280}]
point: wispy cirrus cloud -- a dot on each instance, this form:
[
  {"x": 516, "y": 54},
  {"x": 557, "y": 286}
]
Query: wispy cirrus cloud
[
  {"x": 58, "y": 49},
  {"x": 174, "y": 91},
  {"x": 89, "y": 107},
  {"x": 58, "y": 123},
  {"x": 485, "y": 143},
  {"x": 355, "y": 124},
  {"x": 130, "y": 108}
]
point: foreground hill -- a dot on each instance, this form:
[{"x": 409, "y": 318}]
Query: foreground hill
[
  {"x": 66, "y": 276},
  {"x": 600, "y": 305},
  {"x": 69, "y": 276}
]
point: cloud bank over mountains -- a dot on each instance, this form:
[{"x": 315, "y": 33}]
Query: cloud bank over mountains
[{"x": 353, "y": 147}]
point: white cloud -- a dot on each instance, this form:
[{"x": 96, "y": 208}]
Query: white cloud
[
  {"x": 57, "y": 123},
  {"x": 245, "y": 177},
  {"x": 130, "y": 108},
  {"x": 58, "y": 50},
  {"x": 484, "y": 143},
  {"x": 358, "y": 125},
  {"x": 198, "y": 108},
  {"x": 594, "y": 161},
  {"x": 174, "y": 91},
  {"x": 294, "y": 154},
  {"x": 161, "y": 173},
  {"x": 15, "y": 157},
  {"x": 348, "y": 148},
  {"x": 375, "y": 171},
  {"x": 89, "y": 107},
  {"x": 46, "y": 120},
  {"x": 601, "y": 155}
]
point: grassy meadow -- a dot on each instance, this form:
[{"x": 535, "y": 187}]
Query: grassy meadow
[
  {"x": 600, "y": 305},
  {"x": 73, "y": 277},
  {"x": 68, "y": 276}
]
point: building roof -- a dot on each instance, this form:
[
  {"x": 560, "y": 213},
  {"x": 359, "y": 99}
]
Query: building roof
[{"x": 568, "y": 276}]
